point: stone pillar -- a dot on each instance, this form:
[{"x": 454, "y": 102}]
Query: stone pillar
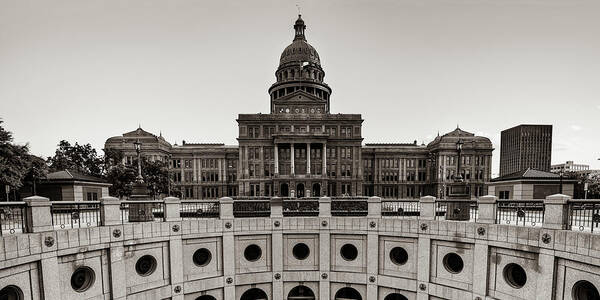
[
  {"x": 487, "y": 209},
  {"x": 325, "y": 207},
  {"x": 38, "y": 216},
  {"x": 276, "y": 207},
  {"x": 423, "y": 264},
  {"x": 172, "y": 209},
  {"x": 226, "y": 208},
  {"x": 480, "y": 266},
  {"x": 324, "y": 155},
  {"x": 307, "y": 158},
  {"x": 545, "y": 280},
  {"x": 118, "y": 279},
  {"x": 276, "y": 154},
  {"x": 110, "y": 211},
  {"x": 292, "y": 167},
  {"x": 427, "y": 208},
  {"x": 226, "y": 215},
  {"x": 556, "y": 211},
  {"x": 277, "y": 245},
  {"x": 49, "y": 272},
  {"x": 374, "y": 207}
]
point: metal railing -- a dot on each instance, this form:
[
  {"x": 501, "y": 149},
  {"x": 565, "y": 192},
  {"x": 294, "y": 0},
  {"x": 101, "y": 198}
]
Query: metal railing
[
  {"x": 195, "y": 209},
  {"x": 584, "y": 215},
  {"x": 349, "y": 207},
  {"x": 401, "y": 208},
  {"x": 450, "y": 209},
  {"x": 302, "y": 207},
  {"x": 251, "y": 208},
  {"x": 12, "y": 217},
  {"x": 142, "y": 210},
  {"x": 520, "y": 212},
  {"x": 75, "y": 214}
]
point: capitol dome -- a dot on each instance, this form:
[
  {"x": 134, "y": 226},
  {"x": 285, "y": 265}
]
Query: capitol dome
[{"x": 299, "y": 51}]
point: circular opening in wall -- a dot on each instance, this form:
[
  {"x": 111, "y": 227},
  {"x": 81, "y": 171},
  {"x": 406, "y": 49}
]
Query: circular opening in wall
[
  {"x": 349, "y": 252},
  {"x": 515, "y": 275},
  {"x": 82, "y": 279},
  {"x": 301, "y": 251},
  {"x": 145, "y": 265},
  {"x": 202, "y": 257},
  {"x": 453, "y": 263},
  {"x": 11, "y": 292},
  {"x": 585, "y": 290},
  {"x": 252, "y": 252},
  {"x": 398, "y": 256}
]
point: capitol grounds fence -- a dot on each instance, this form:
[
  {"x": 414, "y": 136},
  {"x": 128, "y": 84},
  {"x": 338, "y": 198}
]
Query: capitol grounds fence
[
  {"x": 445, "y": 207},
  {"x": 584, "y": 215},
  {"x": 520, "y": 212},
  {"x": 36, "y": 214},
  {"x": 12, "y": 217},
  {"x": 401, "y": 208},
  {"x": 349, "y": 206},
  {"x": 194, "y": 209},
  {"x": 75, "y": 214},
  {"x": 135, "y": 210},
  {"x": 301, "y": 207}
]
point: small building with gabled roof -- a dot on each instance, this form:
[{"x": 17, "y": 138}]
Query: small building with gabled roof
[{"x": 530, "y": 184}]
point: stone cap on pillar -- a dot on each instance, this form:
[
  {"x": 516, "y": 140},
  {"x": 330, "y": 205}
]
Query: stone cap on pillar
[
  {"x": 557, "y": 199},
  {"x": 488, "y": 199},
  {"x": 110, "y": 200},
  {"x": 324, "y": 199},
  {"x": 427, "y": 199},
  {"x": 171, "y": 200},
  {"x": 374, "y": 199},
  {"x": 226, "y": 200},
  {"x": 276, "y": 200},
  {"x": 37, "y": 201}
]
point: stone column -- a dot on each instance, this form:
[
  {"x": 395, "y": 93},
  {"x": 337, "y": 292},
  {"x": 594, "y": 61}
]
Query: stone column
[
  {"x": 324, "y": 155},
  {"x": 276, "y": 154},
  {"x": 277, "y": 245},
  {"x": 324, "y": 247},
  {"x": 226, "y": 216},
  {"x": 487, "y": 209},
  {"x": 480, "y": 266},
  {"x": 171, "y": 209},
  {"x": 556, "y": 211},
  {"x": 427, "y": 208},
  {"x": 374, "y": 207},
  {"x": 324, "y": 207},
  {"x": 110, "y": 211},
  {"x": 292, "y": 168},
  {"x": 118, "y": 279},
  {"x": 38, "y": 216},
  {"x": 423, "y": 265},
  {"x": 307, "y": 158}
]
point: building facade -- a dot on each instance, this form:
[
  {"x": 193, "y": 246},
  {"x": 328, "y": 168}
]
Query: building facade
[
  {"x": 525, "y": 146},
  {"x": 301, "y": 149},
  {"x": 570, "y": 166}
]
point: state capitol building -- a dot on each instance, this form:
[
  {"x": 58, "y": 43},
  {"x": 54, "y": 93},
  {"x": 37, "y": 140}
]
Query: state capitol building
[{"x": 302, "y": 149}]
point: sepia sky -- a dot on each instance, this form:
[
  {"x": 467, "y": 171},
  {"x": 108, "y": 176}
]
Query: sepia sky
[{"x": 86, "y": 70}]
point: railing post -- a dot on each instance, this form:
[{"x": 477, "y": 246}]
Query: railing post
[
  {"x": 427, "y": 204},
  {"x": 276, "y": 207},
  {"x": 325, "y": 207},
  {"x": 556, "y": 211},
  {"x": 225, "y": 208},
  {"x": 110, "y": 211},
  {"x": 37, "y": 215},
  {"x": 487, "y": 209},
  {"x": 374, "y": 207},
  {"x": 172, "y": 209}
]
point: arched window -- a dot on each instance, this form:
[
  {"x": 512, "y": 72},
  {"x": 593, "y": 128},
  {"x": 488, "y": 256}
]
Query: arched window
[
  {"x": 254, "y": 294},
  {"x": 395, "y": 296},
  {"x": 301, "y": 293},
  {"x": 347, "y": 293}
]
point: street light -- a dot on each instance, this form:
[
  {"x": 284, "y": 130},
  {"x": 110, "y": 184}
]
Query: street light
[{"x": 138, "y": 148}]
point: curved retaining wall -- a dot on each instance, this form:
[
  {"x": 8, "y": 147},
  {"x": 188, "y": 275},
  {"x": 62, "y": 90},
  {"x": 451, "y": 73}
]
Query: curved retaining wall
[{"x": 42, "y": 265}]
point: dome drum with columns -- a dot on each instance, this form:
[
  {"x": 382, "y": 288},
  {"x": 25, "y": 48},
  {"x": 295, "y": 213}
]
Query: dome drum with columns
[{"x": 300, "y": 78}]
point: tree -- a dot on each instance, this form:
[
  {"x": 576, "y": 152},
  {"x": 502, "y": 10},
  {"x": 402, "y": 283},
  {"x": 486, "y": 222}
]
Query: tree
[
  {"x": 156, "y": 175},
  {"x": 121, "y": 177},
  {"x": 82, "y": 158},
  {"x": 36, "y": 170},
  {"x": 593, "y": 181},
  {"x": 14, "y": 160}
]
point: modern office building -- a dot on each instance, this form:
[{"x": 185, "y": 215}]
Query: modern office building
[
  {"x": 302, "y": 149},
  {"x": 570, "y": 166},
  {"x": 525, "y": 147}
]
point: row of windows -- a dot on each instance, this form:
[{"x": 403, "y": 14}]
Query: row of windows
[
  {"x": 269, "y": 131},
  {"x": 209, "y": 163}
]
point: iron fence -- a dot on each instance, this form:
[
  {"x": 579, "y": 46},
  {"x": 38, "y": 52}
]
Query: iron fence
[
  {"x": 520, "y": 212},
  {"x": 303, "y": 207},
  {"x": 401, "y": 208},
  {"x": 251, "y": 208},
  {"x": 344, "y": 207},
  {"x": 194, "y": 209},
  {"x": 584, "y": 215},
  {"x": 75, "y": 214},
  {"x": 142, "y": 211},
  {"x": 12, "y": 217},
  {"x": 456, "y": 210}
]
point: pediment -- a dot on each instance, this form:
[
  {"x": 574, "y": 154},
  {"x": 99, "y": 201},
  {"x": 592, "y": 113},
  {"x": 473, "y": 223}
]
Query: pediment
[{"x": 300, "y": 96}]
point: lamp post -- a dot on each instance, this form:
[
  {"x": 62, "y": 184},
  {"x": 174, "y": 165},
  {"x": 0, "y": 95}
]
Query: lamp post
[
  {"x": 141, "y": 212},
  {"x": 459, "y": 208}
]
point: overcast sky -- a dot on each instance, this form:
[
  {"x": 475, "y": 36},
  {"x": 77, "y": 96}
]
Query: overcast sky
[{"x": 86, "y": 70}]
